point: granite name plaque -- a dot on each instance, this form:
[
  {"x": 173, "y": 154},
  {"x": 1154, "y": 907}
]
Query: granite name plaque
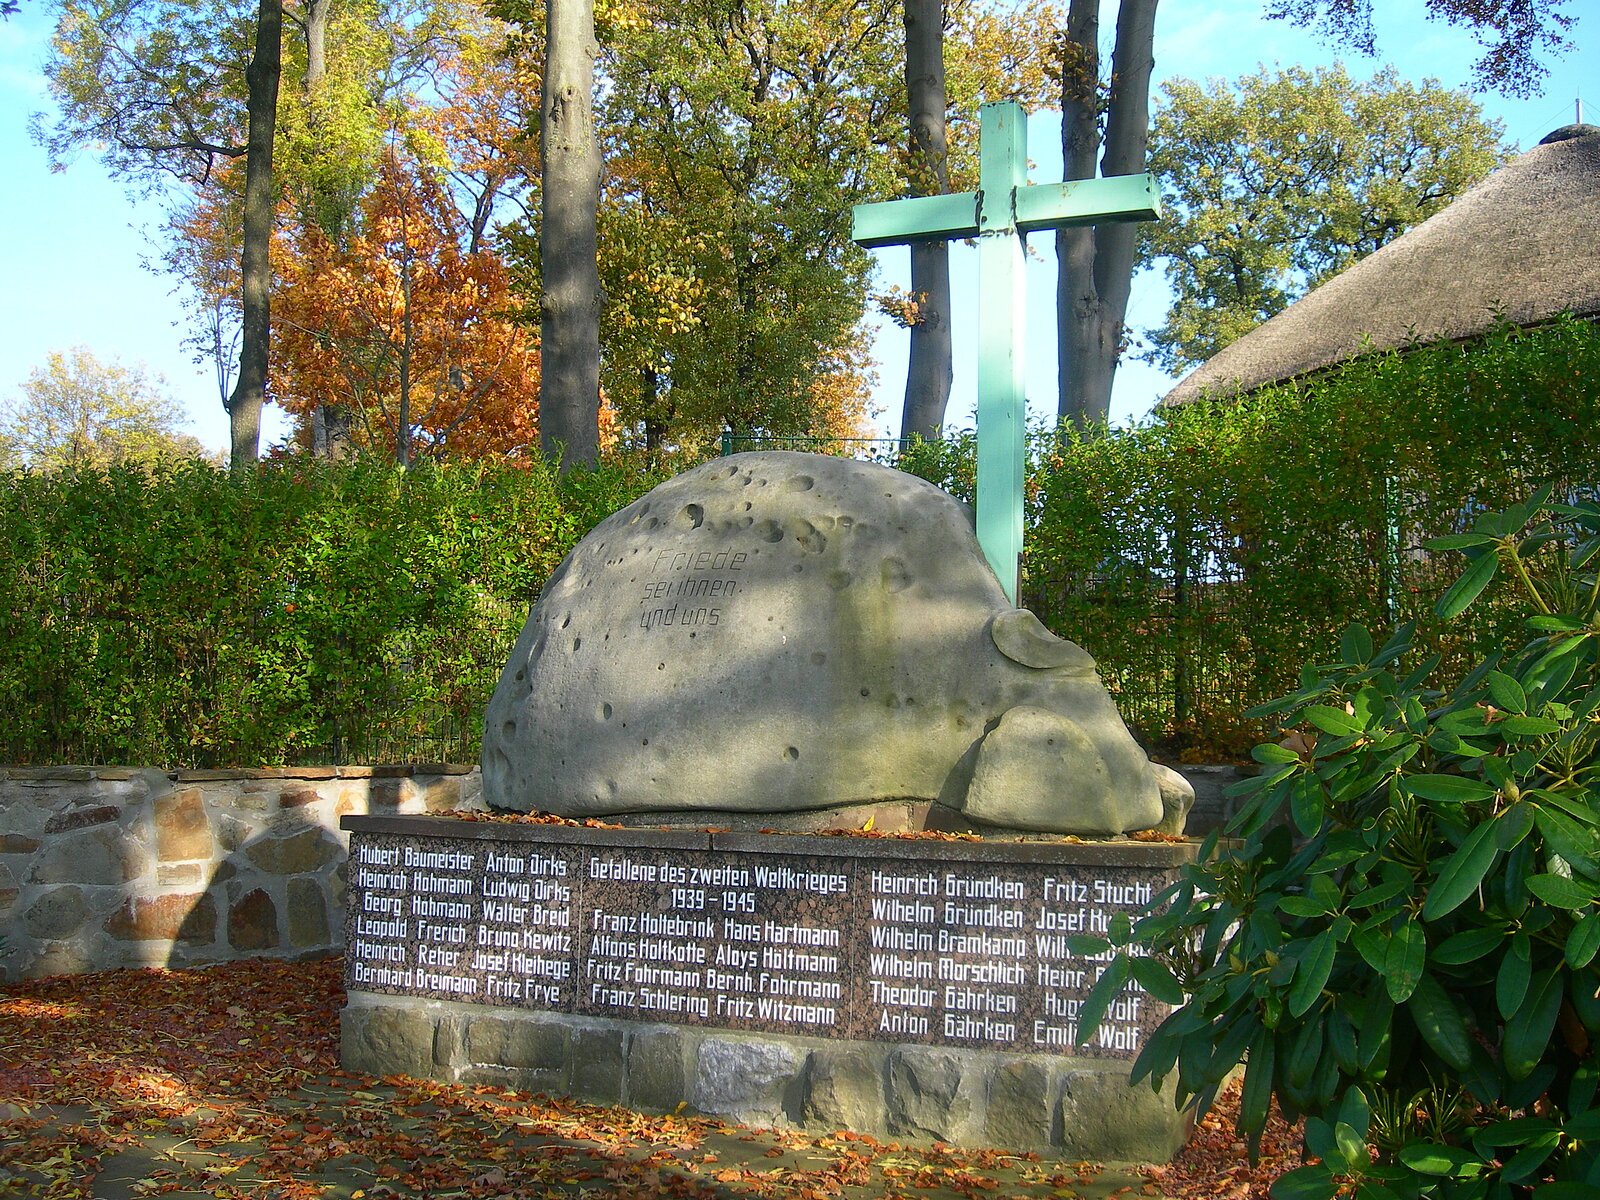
[{"x": 933, "y": 943}]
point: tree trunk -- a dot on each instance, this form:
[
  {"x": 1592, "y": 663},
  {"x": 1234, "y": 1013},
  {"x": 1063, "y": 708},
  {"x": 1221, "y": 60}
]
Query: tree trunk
[
  {"x": 928, "y": 370},
  {"x": 316, "y": 18},
  {"x": 1077, "y": 301},
  {"x": 569, "y": 325},
  {"x": 331, "y": 423},
  {"x": 1096, "y": 265},
  {"x": 255, "y": 272}
]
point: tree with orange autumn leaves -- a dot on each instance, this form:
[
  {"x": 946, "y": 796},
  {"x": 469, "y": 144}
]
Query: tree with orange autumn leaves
[
  {"x": 407, "y": 327},
  {"x": 395, "y": 330}
]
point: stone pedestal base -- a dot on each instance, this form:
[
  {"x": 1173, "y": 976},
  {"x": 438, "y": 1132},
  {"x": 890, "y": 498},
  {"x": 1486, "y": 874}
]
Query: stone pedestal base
[{"x": 1057, "y": 1106}]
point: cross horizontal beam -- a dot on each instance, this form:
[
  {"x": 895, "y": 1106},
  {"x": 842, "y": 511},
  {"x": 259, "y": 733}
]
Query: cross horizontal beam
[
  {"x": 1035, "y": 207},
  {"x": 918, "y": 219},
  {"x": 1115, "y": 198}
]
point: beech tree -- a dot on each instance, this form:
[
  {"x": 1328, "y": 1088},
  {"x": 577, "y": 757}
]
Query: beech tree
[
  {"x": 928, "y": 369},
  {"x": 156, "y": 88},
  {"x": 1095, "y": 266},
  {"x": 1275, "y": 183},
  {"x": 738, "y": 139},
  {"x": 570, "y": 296},
  {"x": 1513, "y": 33}
]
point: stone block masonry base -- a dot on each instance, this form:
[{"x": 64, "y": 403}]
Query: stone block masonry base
[
  {"x": 1060, "y": 1107},
  {"x": 105, "y": 867}
]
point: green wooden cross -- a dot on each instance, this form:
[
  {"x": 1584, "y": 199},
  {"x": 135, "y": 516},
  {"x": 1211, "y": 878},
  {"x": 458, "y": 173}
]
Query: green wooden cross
[{"x": 1001, "y": 214}]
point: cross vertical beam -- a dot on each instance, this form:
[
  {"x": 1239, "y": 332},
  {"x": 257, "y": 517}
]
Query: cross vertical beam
[
  {"x": 1002, "y": 398},
  {"x": 1001, "y": 214}
]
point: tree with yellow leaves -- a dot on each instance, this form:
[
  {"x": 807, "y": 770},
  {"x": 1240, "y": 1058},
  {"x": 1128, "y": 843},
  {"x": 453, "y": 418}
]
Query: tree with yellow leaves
[{"x": 76, "y": 411}]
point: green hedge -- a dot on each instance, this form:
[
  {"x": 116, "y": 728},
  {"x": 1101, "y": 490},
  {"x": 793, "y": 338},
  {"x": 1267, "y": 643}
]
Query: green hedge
[
  {"x": 311, "y": 612},
  {"x": 319, "y": 612},
  {"x": 1203, "y": 557}
]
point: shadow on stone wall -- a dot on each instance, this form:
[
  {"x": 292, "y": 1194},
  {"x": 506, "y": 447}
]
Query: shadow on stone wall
[{"x": 128, "y": 867}]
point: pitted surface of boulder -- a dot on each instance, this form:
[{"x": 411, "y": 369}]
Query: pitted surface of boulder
[{"x": 779, "y": 631}]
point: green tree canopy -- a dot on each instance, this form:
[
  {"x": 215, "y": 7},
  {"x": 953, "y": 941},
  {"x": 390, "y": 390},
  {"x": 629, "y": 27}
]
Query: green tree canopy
[
  {"x": 1513, "y": 33},
  {"x": 737, "y": 138},
  {"x": 1275, "y": 183},
  {"x": 76, "y": 411}
]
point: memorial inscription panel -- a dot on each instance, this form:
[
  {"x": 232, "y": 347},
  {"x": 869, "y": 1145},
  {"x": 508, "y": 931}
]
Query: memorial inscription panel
[{"x": 935, "y": 952}]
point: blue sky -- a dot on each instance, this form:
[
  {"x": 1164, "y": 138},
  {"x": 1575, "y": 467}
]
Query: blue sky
[{"x": 76, "y": 243}]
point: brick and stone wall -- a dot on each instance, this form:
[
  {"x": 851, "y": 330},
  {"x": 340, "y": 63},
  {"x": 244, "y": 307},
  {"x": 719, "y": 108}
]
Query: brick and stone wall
[{"x": 128, "y": 867}]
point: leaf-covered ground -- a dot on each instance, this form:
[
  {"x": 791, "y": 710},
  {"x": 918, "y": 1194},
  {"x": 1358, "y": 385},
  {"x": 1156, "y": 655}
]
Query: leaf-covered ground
[{"x": 225, "y": 1082}]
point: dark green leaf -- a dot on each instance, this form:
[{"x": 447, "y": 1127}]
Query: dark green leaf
[
  {"x": 1556, "y": 623},
  {"x": 1373, "y": 896},
  {"x": 1448, "y": 789},
  {"x": 1458, "y": 541},
  {"x": 1528, "y": 1031},
  {"x": 1352, "y": 1146},
  {"x": 1529, "y": 726},
  {"x": 1316, "y": 963},
  {"x": 1315, "y": 1182},
  {"x": 1585, "y": 1127},
  {"x": 1372, "y": 943},
  {"x": 1583, "y": 941},
  {"x": 1516, "y": 969},
  {"x": 1506, "y": 692},
  {"x": 1332, "y": 720},
  {"x": 1449, "y": 743},
  {"x": 1562, "y": 834},
  {"x": 1404, "y": 960},
  {"x": 1439, "y": 1021},
  {"x": 1303, "y": 906},
  {"x": 1356, "y": 646},
  {"x": 1469, "y": 587},
  {"x": 1526, "y": 1161},
  {"x": 1430, "y": 1158},
  {"x": 1512, "y": 825},
  {"x": 1156, "y": 979},
  {"x": 1256, "y": 1095},
  {"x": 1565, "y": 1190},
  {"x": 1561, "y": 891},
  {"x": 1583, "y": 552},
  {"x": 1574, "y": 805},
  {"x": 1355, "y": 1111},
  {"x": 1087, "y": 944},
  {"x": 1304, "y": 1056},
  {"x": 1306, "y": 805},
  {"x": 1466, "y": 722},
  {"x": 1467, "y": 946},
  {"x": 1342, "y": 1041},
  {"x": 1376, "y": 1030},
  {"x": 1518, "y": 1131},
  {"x": 1105, "y": 990},
  {"x": 1271, "y": 752},
  {"x": 1461, "y": 873},
  {"x": 1552, "y": 673}
]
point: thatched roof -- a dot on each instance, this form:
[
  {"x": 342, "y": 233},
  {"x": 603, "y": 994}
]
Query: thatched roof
[{"x": 1523, "y": 245}]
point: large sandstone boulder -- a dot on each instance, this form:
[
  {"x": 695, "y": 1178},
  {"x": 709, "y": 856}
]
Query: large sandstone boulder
[{"x": 776, "y": 631}]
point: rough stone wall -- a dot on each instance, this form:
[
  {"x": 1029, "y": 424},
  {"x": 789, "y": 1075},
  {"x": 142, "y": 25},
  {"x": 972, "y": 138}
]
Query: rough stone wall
[
  {"x": 128, "y": 867},
  {"x": 1071, "y": 1108}
]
